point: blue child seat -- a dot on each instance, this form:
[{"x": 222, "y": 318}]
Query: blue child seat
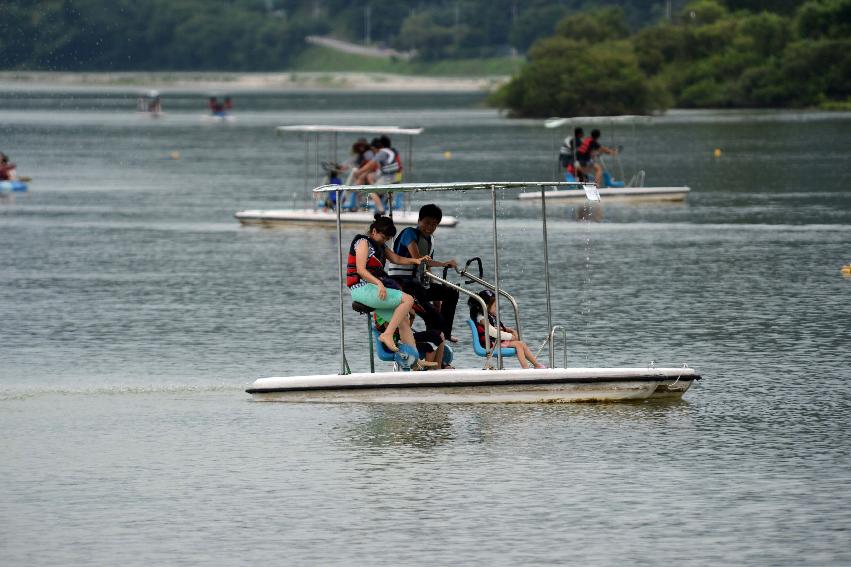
[
  {"x": 380, "y": 349},
  {"x": 477, "y": 345}
]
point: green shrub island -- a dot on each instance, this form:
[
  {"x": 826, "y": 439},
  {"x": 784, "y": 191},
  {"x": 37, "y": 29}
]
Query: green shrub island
[{"x": 708, "y": 56}]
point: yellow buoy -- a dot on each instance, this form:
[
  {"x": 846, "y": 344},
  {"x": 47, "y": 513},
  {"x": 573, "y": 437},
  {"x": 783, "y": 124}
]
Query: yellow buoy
[
  {"x": 174, "y": 155},
  {"x": 846, "y": 270},
  {"x": 447, "y": 154},
  {"x": 717, "y": 152}
]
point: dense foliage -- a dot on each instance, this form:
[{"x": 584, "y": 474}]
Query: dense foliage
[
  {"x": 249, "y": 35},
  {"x": 709, "y": 56}
]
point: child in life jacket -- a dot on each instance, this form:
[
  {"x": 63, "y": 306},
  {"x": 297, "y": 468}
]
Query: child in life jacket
[
  {"x": 507, "y": 336},
  {"x": 430, "y": 344}
]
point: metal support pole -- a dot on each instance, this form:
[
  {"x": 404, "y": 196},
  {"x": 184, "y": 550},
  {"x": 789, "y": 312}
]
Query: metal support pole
[
  {"x": 498, "y": 347},
  {"x": 371, "y": 349},
  {"x": 306, "y": 167},
  {"x": 343, "y": 365},
  {"x": 547, "y": 269}
]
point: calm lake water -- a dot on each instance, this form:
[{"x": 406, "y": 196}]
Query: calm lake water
[{"x": 135, "y": 310}]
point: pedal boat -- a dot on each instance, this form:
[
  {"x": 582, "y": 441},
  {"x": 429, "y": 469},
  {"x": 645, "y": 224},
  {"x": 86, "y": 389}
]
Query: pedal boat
[
  {"x": 492, "y": 384},
  {"x": 318, "y": 215}
]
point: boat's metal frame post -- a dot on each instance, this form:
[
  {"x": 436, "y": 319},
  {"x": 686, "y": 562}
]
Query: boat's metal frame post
[
  {"x": 551, "y": 340},
  {"x": 410, "y": 161},
  {"x": 371, "y": 349},
  {"x": 306, "y": 169},
  {"x": 317, "y": 167},
  {"x": 547, "y": 268},
  {"x": 343, "y": 365},
  {"x": 498, "y": 347},
  {"x": 390, "y": 204},
  {"x": 557, "y": 166}
]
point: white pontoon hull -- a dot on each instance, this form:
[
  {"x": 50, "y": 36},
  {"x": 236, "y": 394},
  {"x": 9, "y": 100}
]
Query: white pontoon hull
[
  {"x": 481, "y": 386},
  {"x": 631, "y": 194},
  {"x": 318, "y": 216}
]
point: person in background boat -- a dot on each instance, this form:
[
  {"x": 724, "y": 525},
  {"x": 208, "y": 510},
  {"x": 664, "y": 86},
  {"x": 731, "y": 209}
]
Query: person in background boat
[
  {"x": 384, "y": 168},
  {"x": 228, "y": 104},
  {"x": 414, "y": 242},
  {"x": 506, "y": 336},
  {"x": 155, "y": 105},
  {"x": 8, "y": 171},
  {"x": 586, "y": 154},
  {"x": 332, "y": 170},
  {"x": 368, "y": 283},
  {"x": 361, "y": 153},
  {"x": 567, "y": 154},
  {"x": 216, "y": 107}
]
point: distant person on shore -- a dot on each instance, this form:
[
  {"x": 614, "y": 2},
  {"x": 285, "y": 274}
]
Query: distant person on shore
[
  {"x": 384, "y": 168},
  {"x": 8, "y": 171},
  {"x": 567, "y": 153},
  {"x": 228, "y": 104},
  {"x": 587, "y": 153}
]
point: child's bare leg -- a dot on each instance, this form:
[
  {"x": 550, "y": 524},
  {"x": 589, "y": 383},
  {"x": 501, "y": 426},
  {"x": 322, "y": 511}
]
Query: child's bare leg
[
  {"x": 432, "y": 358},
  {"x": 518, "y": 350},
  {"x": 438, "y": 355},
  {"x": 527, "y": 352},
  {"x": 400, "y": 318},
  {"x": 379, "y": 206}
]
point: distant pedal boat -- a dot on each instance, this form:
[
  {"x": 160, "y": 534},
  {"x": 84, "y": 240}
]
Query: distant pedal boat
[
  {"x": 631, "y": 194},
  {"x": 316, "y": 215},
  {"x": 278, "y": 217}
]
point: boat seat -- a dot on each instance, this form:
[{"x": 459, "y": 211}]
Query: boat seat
[
  {"x": 380, "y": 349},
  {"x": 477, "y": 345},
  {"x": 361, "y": 308}
]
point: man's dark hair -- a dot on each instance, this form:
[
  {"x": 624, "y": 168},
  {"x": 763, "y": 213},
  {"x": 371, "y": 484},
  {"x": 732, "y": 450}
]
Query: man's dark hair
[
  {"x": 431, "y": 211},
  {"x": 578, "y": 132},
  {"x": 385, "y": 141},
  {"x": 376, "y": 143},
  {"x": 595, "y": 133}
]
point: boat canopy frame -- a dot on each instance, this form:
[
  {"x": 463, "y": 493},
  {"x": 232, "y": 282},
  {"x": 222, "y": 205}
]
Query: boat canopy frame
[
  {"x": 315, "y": 131},
  {"x": 492, "y": 187}
]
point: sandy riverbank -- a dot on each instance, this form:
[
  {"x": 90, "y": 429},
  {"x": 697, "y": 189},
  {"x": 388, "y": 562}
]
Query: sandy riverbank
[{"x": 25, "y": 80}]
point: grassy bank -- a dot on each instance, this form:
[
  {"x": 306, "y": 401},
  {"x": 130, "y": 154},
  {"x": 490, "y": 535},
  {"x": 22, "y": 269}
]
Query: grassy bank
[{"x": 322, "y": 59}]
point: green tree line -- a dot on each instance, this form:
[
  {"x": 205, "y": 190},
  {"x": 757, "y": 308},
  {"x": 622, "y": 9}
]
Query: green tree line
[
  {"x": 712, "y": 54},
  {"x": 251, "y": 35}
]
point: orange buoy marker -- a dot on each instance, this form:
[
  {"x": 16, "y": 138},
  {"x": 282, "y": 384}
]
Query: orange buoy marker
[
  {"x": 447, "y": 154},
  {"x": 845, "y": 270},
  {"x": 717, "y": 152}
]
